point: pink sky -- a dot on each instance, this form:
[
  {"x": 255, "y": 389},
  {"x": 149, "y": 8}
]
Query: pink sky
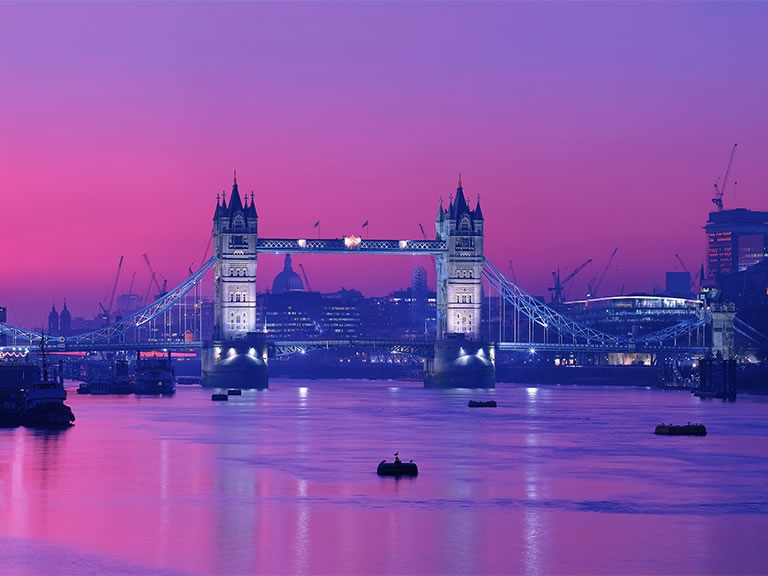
[{"x": 582, "y": 126}]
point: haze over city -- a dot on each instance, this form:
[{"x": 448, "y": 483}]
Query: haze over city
[{"x": 581, "y": 127}]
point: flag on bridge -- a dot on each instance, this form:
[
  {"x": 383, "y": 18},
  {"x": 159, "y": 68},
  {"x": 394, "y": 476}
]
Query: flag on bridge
[
  {"x": 317, "y": 223},
  {"x": 365, "y": 224}
]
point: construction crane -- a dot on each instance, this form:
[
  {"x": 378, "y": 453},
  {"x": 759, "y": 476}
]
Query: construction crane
[
  {"x": 593, "y": 293},
  {"x": 108, "y": 311},
  {"x": 153, "y": 280},
  {"x": 717, "y": 199},
  {"x": 685, "y": 268},
  {"x": 557, "y": 289},
  {"x": 512, "y": 272},
  {"x": 424, "y": 236},
  {"x": 130, "y": 288},
  {"x": 306, "y": 280}
]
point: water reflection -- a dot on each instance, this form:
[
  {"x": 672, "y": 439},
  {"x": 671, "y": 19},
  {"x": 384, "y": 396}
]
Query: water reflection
[{"x": 283, "y": 481}]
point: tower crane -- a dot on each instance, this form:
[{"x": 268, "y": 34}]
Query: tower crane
[
  {"x": 108, "y": 311},
  {"x": 306, "y": 280},
  {"x": 424, "y": 236},
  {"x": 153, "y": 279},
  {"x": 593, "y": 292},
  {"x": 130, "y": 288},
  {"x": 685, "y": 268},
  {"x": 557, "y": 289},
  {"x": 717, "y": 199}
]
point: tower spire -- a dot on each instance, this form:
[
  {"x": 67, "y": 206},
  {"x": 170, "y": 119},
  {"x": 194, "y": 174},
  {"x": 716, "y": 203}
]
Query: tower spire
[
  {"x": 235, "y": 177},
  {"x": 459, "y": 180}
]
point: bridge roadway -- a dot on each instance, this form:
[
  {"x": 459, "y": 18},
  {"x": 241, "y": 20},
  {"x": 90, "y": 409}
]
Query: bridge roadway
[{"x": 420, "y": 348}]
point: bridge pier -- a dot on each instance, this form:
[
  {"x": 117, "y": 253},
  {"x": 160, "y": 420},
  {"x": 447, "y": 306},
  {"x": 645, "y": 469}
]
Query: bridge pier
[
  {"x": 236, "y": 363},
  {"x": 461, "y": 363}
]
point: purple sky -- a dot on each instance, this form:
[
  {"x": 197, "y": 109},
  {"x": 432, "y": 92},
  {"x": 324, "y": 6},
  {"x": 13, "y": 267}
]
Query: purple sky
[{"x": 582, "y": 126}]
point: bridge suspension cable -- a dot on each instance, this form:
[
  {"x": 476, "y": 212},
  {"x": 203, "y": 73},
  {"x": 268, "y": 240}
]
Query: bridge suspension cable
[{"x": 551, "y": 320}]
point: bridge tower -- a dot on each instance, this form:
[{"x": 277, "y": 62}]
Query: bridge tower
[
  {"x": 461, "y": 359},
  {"x": 237, "y": 356},
  {"x": 235, "y": 231},
  {"x": 460, "y": 270}
]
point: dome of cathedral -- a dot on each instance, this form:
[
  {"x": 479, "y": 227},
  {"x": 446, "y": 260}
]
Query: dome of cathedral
[{"x": 287, "y": 280}]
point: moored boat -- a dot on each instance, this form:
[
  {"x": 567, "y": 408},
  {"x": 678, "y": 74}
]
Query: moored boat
[
  {"x": 684, "y": 430},
  {"x": 397, "y": 468},
  {"x": 155, "y": 375}
]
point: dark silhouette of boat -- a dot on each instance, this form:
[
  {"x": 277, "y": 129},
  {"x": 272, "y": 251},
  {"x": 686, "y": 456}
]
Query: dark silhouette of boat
[
  {"x": 397, "y": 468},
  {"x": 684, "y": 430},
  {"x": 482, "y": 404},
  {"x": 31, "y": 397},
  {"x": 219, "y": 397},
  {"x": 154, "y": 375}
]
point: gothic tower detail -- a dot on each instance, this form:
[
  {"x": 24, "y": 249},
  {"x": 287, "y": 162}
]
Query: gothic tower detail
[
  {"x": 460, "y": 269},
  {"x": 235, "y": 231}
]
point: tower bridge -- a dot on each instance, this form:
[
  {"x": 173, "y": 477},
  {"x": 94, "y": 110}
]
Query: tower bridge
[{"x": 459, "y": 356}]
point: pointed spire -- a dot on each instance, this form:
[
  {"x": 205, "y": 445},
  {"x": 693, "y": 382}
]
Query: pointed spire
[
  {"x": 459, "y": 180},
  {"x": 478, "y": 212},
  {"x": 235, "y": 177},
  {"x": 440, "y": 212},
  {"x": 235, "y": 202},
  {"x": 223, "y": 198},
  {"x": 287, "y": 267}
]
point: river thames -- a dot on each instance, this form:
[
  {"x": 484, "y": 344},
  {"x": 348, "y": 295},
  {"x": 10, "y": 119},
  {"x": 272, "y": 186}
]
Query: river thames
[{"x": 555, "y": 480}]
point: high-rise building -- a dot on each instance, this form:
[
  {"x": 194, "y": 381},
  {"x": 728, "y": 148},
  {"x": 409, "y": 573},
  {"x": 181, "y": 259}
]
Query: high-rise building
[{"x": 736, "y": 239}]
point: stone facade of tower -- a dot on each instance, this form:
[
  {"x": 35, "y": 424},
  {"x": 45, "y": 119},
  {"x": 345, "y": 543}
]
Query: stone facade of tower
[
  {"x": 235, "y": 230},
  {"x": 460, "y": 270}
]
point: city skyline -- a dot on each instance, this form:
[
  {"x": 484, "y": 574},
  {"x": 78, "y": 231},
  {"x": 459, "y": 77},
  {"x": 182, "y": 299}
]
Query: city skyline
[{"x": 124, "y": 122}]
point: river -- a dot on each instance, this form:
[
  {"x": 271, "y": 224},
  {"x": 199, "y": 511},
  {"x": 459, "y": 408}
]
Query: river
[{"x": 555, "y": 480}]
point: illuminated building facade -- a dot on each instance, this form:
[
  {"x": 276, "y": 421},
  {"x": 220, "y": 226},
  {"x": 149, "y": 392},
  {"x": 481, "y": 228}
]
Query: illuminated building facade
[
  {"x": 736, "y": 239},
  {"x": 631, "y": 316},
  {"x": 235, "y": 231},
  {"x": 460, "y": 270}
]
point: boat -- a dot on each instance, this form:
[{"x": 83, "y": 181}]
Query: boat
[
  {"x": 234, "y": 392},
  {"x": 155, "y": 375},
  {"x": 397, "y": 468},
  {"x": 684, "y": 430},
  {"x": 29, "y": 397},
  {"x": 107, "y": 377},
  {"x": 219, "y": 397},
  {"x": 482, "y": 404}
]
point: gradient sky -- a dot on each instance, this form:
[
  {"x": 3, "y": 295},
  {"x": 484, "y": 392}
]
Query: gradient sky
[{"x": 582, "y": 126}]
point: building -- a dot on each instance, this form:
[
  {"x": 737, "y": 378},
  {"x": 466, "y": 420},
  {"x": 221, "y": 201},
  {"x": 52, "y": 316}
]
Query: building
[
  {"x": 65, "y": 321},
  {"x": 3, "y": 319},
  {"x": 631, "y": 316},
  {"x": 736, "y": 239},
  {"x": 235, "y": 231},
  {"x": 460, "y": 270},
  {"x": 53, "y": 321}
]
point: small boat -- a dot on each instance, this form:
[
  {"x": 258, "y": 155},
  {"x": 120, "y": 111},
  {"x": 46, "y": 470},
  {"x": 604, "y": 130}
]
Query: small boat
[
  {"x": 482, "y": 404},
  {"x": 685, "y": 430},
  {"x": 219, "y": 397},
  {"x": 83, "y": 388},
  {"x": 234, "y": 392},
  {"x": 397, "y": 468}
]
